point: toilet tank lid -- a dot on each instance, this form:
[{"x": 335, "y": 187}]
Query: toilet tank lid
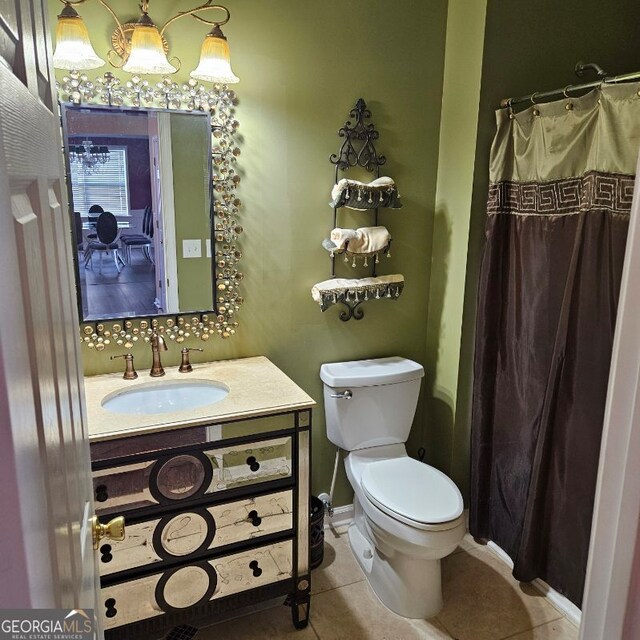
[{"x": 368, "y": 373}]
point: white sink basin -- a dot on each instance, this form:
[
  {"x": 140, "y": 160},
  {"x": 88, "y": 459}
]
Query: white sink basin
[{"x": 166, "y": 396}]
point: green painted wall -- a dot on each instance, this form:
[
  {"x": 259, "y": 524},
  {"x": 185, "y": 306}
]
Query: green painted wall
[
  {"x": 190, "y": 155},
  {"x": 302, "y": 66},
  {"x": 447, "y": 446},
  {"x": 530, "y": 46}
]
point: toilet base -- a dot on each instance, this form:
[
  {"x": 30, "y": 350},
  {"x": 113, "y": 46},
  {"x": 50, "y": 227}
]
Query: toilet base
[{"x": 409, "y": 586}]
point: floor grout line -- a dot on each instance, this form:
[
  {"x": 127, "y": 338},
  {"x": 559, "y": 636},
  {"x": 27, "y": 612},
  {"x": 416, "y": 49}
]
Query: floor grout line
[
  {"x": 513, "y": 635},
  {"x": 315, "y": 633},
  {"x": 348, "y": 584},
  {"x": 444, "y": 626}
]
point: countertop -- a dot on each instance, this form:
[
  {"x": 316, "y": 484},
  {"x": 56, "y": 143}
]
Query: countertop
[{"x": 256, "y": 387}]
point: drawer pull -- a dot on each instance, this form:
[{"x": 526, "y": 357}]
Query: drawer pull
[
  {"x": 255, "y": 518},
  {"x": 110, "y": 605},
  {"x": 102, "y": 495},
  {"x": 105, "y": 550},
  {"x": 257, "y": 571},
  {"x": 254, "y": 465}
]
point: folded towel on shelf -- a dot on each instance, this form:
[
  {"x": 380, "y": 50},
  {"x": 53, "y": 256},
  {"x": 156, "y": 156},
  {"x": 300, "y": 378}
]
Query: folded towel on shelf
[
  {"x": 369, "y": 240},
  {"x": 340, "y": 237},
  {"x": 336, "y": 290},
  {"x": 381, "y": 192},
  {"x": 365, "y": 240}
]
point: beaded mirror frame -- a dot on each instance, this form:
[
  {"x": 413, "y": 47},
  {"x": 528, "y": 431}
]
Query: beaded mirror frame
[{"x": 77, "y": 88}]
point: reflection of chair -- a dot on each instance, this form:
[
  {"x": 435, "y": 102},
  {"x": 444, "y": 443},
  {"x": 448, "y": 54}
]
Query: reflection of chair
[
  {"x": 77, "y": 219},
  {"x": 140, "y": 241},
  {"x": 107, "y": 233},
  {"x": 93, "y": 219}
]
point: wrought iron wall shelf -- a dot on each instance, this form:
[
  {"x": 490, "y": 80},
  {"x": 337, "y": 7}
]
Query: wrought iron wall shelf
[{"x": 359, "y": 150}]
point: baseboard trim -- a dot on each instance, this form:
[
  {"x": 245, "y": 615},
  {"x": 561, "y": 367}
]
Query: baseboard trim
[
  {"x": 344, "y": 515},
  {"x": 573, "y": 613},
  {"x": 341, "y": 516}
]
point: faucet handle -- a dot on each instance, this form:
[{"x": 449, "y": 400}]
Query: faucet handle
[
  {"x": 185, "y": 366},
  {"x": 160, "y": 342},
  {"x": 129, "y": 371}
]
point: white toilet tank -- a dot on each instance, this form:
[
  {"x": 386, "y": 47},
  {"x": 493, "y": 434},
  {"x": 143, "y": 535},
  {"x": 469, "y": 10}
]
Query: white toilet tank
[{"x": 376, "y": 401}]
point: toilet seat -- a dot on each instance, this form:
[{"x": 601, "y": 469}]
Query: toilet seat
[{"x": 414, "y": 493}]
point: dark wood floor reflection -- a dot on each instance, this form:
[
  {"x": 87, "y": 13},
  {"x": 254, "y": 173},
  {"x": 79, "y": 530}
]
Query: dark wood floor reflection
[{"x": 109, "y": 293}]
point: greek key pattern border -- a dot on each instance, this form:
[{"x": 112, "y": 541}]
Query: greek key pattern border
[{"x": 593, "y": 191}]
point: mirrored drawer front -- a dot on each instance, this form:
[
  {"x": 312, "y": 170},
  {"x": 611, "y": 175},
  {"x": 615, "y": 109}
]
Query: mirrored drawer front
[
  {"x": 170, "y": 479},
  {"x": 194, "y": 584},
  {"x": 150, "y": 443},
  {"x": 250, "y": 463},
  {"x": 178, "y": 535},
  {"x": 167, "y": 440}
]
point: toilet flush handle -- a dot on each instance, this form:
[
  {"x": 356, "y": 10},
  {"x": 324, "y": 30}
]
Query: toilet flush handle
[{"x": 343, "y": 395}]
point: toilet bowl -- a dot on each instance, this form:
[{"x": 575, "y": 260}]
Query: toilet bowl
[{"x": 408, "y": 515}]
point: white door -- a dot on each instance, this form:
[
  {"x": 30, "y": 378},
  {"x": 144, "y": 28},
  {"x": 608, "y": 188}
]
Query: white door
[
  {"x": 164, "y": 212},
  {"x": 157, "y": 206},
  {"x": 45, "y": 490}
]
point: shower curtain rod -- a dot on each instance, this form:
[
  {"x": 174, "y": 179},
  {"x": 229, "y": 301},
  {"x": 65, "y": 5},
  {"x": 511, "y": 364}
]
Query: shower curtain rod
[{"x": 537, "y": 96}]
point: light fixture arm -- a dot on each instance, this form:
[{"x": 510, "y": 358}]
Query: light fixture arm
[
  {"x": 120, "y": 29},
  {"x": 192, "y": 12}
]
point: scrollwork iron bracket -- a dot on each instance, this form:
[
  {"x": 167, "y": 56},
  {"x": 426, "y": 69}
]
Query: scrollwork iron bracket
[
  {"x": 358, "y": 148},
  {"x": 352, "y": 311}
]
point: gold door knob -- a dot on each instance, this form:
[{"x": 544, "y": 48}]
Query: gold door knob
[{"x": 113, "y": 530}]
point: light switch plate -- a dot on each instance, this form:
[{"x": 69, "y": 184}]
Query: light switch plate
[
  {"x": 208, "y": 247},
  {"x": 192, "y": 248}
]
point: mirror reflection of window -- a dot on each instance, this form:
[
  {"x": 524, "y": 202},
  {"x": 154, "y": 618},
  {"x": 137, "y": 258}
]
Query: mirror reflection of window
[
  {"x": 150, "y": 171},
  {"x": 106, "y": 184}
]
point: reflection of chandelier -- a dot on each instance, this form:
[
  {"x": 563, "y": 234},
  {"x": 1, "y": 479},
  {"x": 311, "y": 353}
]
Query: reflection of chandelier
[{"x": 88, "y": 155}]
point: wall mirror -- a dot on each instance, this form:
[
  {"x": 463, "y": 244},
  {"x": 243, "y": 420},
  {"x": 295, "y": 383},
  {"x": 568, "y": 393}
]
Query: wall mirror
[{"x": 141, "y": 201}]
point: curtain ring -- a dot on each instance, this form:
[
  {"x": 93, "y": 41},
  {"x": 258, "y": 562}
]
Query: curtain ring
[
  {"x": 510, "y": 108},
  {"x": 565, "y": 93},
  {"x": 536, "y": 112}
]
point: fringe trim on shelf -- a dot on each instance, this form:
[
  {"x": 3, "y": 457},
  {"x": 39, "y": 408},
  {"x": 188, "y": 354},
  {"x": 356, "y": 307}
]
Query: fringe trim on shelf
[
  {"x": 349, "y": 291},
  {"x": 354, "y": 256},
  {"x": 381, "y": 192}
]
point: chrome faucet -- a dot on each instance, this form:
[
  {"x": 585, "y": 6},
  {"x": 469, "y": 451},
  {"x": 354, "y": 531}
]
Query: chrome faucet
[{"x": 157, "y": 345}]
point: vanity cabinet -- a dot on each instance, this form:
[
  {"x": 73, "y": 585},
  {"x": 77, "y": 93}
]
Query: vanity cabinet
[{"x": 217, "y": 519}]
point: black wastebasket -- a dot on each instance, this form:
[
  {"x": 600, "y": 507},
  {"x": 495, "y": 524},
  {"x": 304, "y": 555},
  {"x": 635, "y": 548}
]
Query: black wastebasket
[{"x": 316, "y": 532}]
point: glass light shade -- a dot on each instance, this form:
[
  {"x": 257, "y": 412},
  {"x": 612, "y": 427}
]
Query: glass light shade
[
  {"x": 147, "y": 52},
  {"x": 73, "y": 47},
  {"x": 215, "y": 61}
]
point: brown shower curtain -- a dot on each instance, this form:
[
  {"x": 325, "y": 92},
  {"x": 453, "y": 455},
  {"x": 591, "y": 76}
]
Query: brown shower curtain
[{"x": 559, "y": 202}]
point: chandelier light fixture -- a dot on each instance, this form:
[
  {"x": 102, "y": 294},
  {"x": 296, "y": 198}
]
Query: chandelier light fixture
[
  {"x": 91, "y": 157},
  {"x": 140, "y": 47}
]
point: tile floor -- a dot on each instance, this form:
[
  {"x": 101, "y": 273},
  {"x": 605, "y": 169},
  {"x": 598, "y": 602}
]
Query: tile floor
[{"x": 482, "y": 602}]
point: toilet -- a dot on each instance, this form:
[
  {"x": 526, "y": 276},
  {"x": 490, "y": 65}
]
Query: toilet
[{"x": 408, "y": 515}]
